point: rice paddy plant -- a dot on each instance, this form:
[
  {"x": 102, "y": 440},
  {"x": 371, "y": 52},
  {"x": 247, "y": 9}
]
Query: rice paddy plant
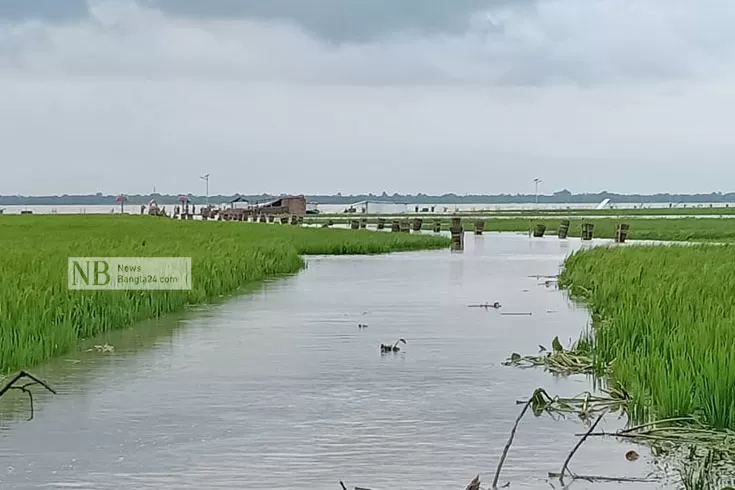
[
  {"x": 666, "y": 322},
  {"x": 41, "y": 318}
]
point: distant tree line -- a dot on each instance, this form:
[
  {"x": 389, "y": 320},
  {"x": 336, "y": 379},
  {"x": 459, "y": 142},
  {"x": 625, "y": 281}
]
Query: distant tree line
[{"x": 559, "y": 197}]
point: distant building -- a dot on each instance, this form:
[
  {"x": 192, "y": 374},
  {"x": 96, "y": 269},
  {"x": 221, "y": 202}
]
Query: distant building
[
  {"x": 377, "y": 207},
  {"x": 295, "y": 205},
  {"x": 239, "y": 203}
]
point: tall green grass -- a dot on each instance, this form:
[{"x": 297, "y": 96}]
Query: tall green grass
[
  {"x": 665, "y": 317},
  {"x": 40, "y": 317}
]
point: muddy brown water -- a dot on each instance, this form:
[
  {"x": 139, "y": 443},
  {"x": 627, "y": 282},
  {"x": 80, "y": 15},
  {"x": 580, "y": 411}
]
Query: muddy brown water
[{"x": 279, "y": 389}]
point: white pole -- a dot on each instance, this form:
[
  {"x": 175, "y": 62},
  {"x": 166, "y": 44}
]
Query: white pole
[{"x": 205, "y": 178}]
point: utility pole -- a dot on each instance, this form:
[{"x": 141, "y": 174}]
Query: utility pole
[
  {"x": 537, "y": 181},
  {"x": 205, "y": 178}
]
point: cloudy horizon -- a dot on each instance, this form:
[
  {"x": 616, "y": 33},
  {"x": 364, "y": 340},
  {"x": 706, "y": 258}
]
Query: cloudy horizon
[{"x": 469, "y": 96}]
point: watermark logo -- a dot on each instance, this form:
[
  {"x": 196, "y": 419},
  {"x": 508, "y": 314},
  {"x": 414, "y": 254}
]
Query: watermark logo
[{"x": 172, "y": 273}]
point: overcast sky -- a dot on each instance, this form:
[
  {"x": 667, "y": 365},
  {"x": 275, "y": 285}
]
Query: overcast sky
[{"x": 325, "y": 96}]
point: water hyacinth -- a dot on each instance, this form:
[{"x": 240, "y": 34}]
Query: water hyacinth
[{"x": 40, "y": 317}]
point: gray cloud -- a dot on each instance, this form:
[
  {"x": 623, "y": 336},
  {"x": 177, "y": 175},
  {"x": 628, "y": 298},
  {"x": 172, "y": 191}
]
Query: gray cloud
[{"x": 280, "y": 98}]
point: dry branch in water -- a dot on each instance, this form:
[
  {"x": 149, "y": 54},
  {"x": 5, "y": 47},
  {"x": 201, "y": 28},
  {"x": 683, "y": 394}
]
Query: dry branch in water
[
  {"x": 24, "y": 387},
  {"x": 529, "y": 403},
  {"x": 565, "y": 466}
]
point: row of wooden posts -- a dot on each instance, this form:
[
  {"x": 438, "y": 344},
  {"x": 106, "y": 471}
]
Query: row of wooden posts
[
  {"x": 457, "y": 231},
  {"x": 263, "y": 218},
  {"x": 621, "y": 231}
]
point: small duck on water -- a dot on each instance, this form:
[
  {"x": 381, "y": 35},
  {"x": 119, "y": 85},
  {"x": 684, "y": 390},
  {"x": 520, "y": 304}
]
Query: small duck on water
[{"x": 391, "y": 348}]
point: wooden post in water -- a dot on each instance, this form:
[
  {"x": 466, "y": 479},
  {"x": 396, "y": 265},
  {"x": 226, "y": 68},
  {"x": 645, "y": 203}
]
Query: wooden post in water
[
  {"x": 363, "y": 223},
  {"x": 539, "y": 230},
  {"x": 263, "y": 218},
  {"x": 284, "y": 220},
  {"x": 294, "y": 219},
  {"x": 417, "y": 224},
  {"x": 381, "y": 223},
  {"x": 405, "y": 226},
  {"x": 563, "y": 229},
  {"x": 621, "y": 233},
  {"x": 330, "y": 222},
  {"x": 479, "y": 226},
  {"x": 587, "y": 231},
  {"x": 354, "y": 224},
  {"x": 437, "y": 225},
  {"x": 395, "y": 225},
  {"x": 271, "y": 218},
  {"x": 457, "y": 234},
  {"x": 300, "y": 220}
]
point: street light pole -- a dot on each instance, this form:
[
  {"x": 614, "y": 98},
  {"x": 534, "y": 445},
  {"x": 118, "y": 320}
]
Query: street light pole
[
  {"x": 205, "y": 178},
  {"x": 537, "y": 181}
]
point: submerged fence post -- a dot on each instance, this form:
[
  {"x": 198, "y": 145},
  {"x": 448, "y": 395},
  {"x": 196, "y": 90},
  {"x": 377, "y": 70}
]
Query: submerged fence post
[
  {"x": 294, "y": 219},
  {"x": 395, "y": 225},
  {"x": 271, "y": 218},
  {"x": 417, "y": 224},
  {"x": 587, "y": 231},
  {"x": 405, "y": 226},
  {"x": 457, "y": 234},
  {"x": 563, "y": 229},
  {"x": 354, "y": 224},
  {"x": 437, "y": 225},
  {"x": 381, "y": 223},
  {"x": 621, "y": 233},
  {"x": 479, "y": 226},
  {"x": 539, "y": 230},
  {"x": 263, "y": 218},
  {"x": 300, "y": 220},
  {"x": 284, "y": 220},
  {"x": 363, "y": 223}
]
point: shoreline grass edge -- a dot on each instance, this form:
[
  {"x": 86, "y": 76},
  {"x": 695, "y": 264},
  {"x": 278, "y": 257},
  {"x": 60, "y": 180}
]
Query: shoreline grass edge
[{"x": 40, "y": 318}]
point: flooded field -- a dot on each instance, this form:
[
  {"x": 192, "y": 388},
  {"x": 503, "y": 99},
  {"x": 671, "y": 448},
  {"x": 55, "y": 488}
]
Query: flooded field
[{"x": 280, "y": 389}]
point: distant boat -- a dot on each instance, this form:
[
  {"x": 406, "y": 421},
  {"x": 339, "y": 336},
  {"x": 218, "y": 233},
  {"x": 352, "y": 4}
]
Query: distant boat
[{"x": 604, "y": 203}]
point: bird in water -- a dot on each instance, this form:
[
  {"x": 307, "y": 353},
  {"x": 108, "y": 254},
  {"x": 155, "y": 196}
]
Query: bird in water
[
  {"x": 361, "y": 325},
  {"x": 391, "y": 348}
]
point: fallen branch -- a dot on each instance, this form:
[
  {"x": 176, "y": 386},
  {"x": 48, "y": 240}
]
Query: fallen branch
[
  {"x": 529, "y": 402},
  {"x": 599, "y": 479},
  {"x": 565, "y": 466},
  {"x": 24, "y": 388}
]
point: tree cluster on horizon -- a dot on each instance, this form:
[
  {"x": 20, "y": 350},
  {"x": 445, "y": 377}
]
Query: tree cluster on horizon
[{"x": 558, "y": 197}]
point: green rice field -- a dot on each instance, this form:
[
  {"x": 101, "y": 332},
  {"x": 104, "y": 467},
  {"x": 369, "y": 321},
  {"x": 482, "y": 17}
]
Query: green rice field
[
  {"x": 41, "y": 318},
  {"x": 664, "y": 316}
]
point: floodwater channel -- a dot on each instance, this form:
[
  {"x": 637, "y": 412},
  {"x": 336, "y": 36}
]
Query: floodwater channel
[{"x": 280, "y": 389}]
